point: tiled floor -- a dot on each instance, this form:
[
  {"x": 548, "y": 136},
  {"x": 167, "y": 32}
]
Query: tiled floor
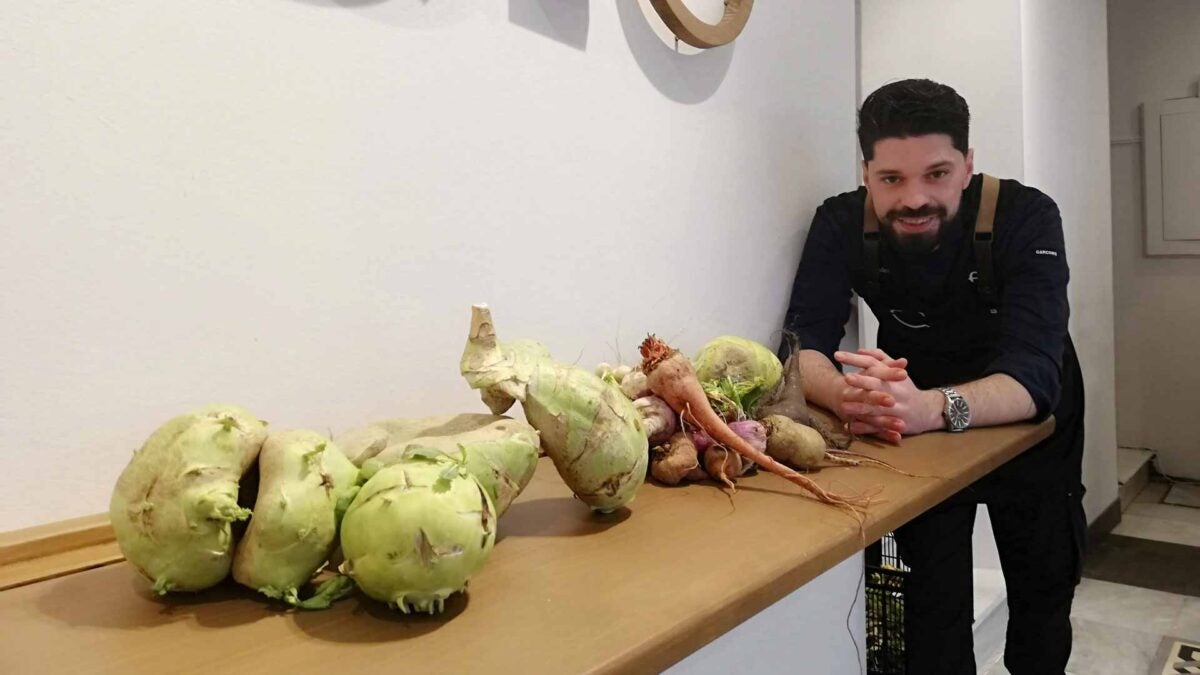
[
  {"x": 1119, "y": 627},
  {"x": 1148, "y": 518}
]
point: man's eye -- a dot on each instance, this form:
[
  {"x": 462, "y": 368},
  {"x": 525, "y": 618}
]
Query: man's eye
[
  {"x": 890, "y": 180},
  {"x": 939, "y": 174}
]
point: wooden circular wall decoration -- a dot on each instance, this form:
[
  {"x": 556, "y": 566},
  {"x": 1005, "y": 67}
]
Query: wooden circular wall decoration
[{"x": 687, "y": 27}]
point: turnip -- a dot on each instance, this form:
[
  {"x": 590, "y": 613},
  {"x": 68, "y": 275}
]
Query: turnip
[
  {"x": 173, "y": 504},
  {"x": 792, "y": 443},
  {"x": 500, "y": 452},
  {"x": 750, "y": 431},
  {"x": 723, "y": 465},
  {"x": 658, "y": 420},
  {"x": 589, "y": 428},
  {"x": 417, "y": 531},
  {"x": 305, "y": 483}
]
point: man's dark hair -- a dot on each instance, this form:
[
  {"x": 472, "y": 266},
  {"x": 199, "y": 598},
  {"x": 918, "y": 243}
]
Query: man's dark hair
[{"x": 912, "y": 108}]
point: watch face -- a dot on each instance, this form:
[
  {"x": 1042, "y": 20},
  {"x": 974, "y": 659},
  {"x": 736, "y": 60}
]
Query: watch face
[{"x": 959, "y": 414}]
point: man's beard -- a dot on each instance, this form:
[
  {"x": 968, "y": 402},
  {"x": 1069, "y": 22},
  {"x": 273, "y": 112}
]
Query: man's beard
[{"x": 916, "y": 243}]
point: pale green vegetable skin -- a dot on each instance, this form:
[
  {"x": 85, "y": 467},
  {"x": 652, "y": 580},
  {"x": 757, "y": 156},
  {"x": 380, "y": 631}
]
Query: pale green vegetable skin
[
  {"x": 413, "y": 537},
  {"x": 173, "y": 504},
  {"x": 589, "y": 428},
  {"x": 303, "y": 478},
  {"x": 752, "y": 368},
  {"x": 739, "y": 359},
  {"x": 500, "y": 452}
]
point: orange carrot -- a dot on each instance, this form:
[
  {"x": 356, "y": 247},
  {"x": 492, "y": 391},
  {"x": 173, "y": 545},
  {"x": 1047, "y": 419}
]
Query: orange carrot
[{"x": 671, "y": 378}]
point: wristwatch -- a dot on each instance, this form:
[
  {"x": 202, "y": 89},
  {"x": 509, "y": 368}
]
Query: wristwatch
[{"x": 956, "y": 412}]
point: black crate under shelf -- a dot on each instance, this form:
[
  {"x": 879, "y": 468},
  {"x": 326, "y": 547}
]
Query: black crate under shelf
[{"x": 885, "y": 577}]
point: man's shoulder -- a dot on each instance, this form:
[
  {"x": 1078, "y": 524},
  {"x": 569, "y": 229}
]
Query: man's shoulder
[
  {"x": 845, "y": 208},
  {"x": 1020, "y": 200},
  {"x": 1025, "y": 215}
]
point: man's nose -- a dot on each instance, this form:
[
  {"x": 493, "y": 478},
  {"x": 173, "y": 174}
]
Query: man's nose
[{"x": 914, "y": 199}]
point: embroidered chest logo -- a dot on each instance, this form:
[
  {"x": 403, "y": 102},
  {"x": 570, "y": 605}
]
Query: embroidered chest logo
[
  {"x": 1046, "y": 251},
  {"x": 915, "y": 319}
]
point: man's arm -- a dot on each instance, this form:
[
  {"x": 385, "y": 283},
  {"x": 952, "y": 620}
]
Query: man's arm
[
  {"x": 819, "y": 305},
  {"x": 891, "y": 401}
]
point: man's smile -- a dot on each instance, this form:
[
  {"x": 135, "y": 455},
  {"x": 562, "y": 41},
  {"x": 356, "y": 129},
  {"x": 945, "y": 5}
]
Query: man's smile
[{"x": 916, "y": 225}]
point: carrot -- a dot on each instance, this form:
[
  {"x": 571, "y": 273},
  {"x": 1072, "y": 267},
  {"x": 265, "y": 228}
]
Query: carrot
[{"x": 671, "y": 378}]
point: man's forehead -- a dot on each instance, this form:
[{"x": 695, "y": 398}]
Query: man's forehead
[{"x": 914, "y": 153}]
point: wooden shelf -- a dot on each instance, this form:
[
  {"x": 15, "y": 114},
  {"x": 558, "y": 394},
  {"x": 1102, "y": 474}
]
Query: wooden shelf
[
  {"x": 52, "y": 550},
  {"x": 565, "y": 591}
]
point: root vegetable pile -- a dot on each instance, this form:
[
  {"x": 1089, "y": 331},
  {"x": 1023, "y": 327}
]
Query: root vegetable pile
[{"x": 671, "y": 378}]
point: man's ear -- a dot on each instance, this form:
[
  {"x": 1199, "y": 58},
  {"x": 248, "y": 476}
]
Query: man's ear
[
  {"x": 970, "y": 167},
  {"x": 864, "y": 175}
]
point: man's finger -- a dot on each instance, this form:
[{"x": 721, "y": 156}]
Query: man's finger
[
  {"x": 876, "y": 353},
  {"x": 864, "y": 381},
  {"x": 885, "y": 422},
  {"x": 859, "y": 410},
  {"x": 886, "y": 373},
  {"x": 856, "y": 360},
  {"x": 875, "y": 418},
  {"x": 878, "y": 398},
  {"x": 883, "y": 358}
]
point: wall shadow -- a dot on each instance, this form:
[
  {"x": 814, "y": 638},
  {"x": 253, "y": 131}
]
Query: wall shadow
[
  {"x": 564, "y": 21},
  {"x": 686, "y": 78}
]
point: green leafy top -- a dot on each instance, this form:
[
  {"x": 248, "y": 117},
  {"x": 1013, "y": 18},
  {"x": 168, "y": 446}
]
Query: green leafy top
[{"x": 733, "y": 400}]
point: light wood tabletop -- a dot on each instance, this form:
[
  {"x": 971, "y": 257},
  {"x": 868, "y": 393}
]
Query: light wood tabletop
[{"x": 564, "y": 591}]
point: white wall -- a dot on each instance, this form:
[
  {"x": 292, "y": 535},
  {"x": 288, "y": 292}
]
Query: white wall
[
  {"x": 291, "y": 204},
  {"x": 1155, "y": 55},
  {"x": 971, "y": 45},
  {"x": 1065, "y": 80}
]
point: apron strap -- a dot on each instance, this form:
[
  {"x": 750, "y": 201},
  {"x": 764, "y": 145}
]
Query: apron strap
[{"x": 984, "y": 222}]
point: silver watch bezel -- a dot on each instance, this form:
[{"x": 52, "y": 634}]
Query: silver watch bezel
[{"x": 956, "y": 412}]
